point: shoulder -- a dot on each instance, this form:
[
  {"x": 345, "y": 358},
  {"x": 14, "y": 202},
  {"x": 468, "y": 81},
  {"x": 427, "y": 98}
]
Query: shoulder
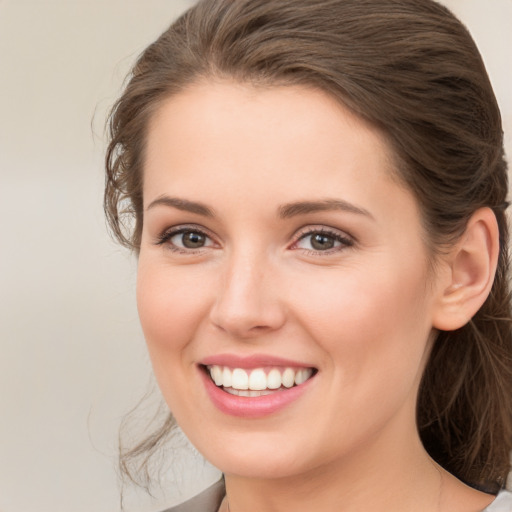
[
  {"x": 208, "y": 501},
  {"x": 502, "y": 503}
]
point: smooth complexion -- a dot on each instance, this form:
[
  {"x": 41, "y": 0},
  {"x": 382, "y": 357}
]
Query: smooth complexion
[{"x": 273, "y": 228}]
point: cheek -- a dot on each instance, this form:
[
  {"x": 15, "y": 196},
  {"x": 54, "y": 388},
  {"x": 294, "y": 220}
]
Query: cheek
[
  {"x": 374, "y": 333},
  {"x": 172, "y": 305},
  {"x": 372, "y": 324},
  {"x": 361, "y": 300}
]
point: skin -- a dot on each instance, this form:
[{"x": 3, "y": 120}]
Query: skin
[{"x": 362, "y": 313}]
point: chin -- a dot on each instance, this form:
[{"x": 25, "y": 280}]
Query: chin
[
  {"x": 260, "y": 467},
  {"x": 259, "y": 456}
]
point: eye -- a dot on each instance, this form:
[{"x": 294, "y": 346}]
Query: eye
[
  {"x": 185, "y": 239},
  {"x": 322, "y": 240},
  {"x": 189, "y": 240}
]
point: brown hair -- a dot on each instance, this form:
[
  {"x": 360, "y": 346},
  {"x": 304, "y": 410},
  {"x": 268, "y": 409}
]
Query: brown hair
[{"x": 412, "y": 69}]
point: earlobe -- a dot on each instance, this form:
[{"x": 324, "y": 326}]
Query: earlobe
[{"x": 472, "y": 265}]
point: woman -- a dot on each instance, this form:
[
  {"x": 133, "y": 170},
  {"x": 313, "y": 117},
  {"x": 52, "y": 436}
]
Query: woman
[{"x": 318, "y": 192}]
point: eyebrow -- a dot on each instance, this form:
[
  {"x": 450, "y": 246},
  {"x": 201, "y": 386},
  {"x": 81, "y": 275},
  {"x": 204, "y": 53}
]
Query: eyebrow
[
  {"x": 182, "y": 204},
  {"x": 304, "y": 207},
  {"x": 285, "y": 211}
]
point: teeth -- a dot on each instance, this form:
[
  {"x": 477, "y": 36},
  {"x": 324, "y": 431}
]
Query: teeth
[
  {"x": 302, "y": 376},
  {"x": 248, "y": 392},
  {"x": 288, "y": 378},
  {"x": 227, "y": 379},
  {"x": 274, "y": 379},
  {"x": 240, "y": 379},
  {"x": 258, "y": 380},
  {"x": 217, "y": 375},
  {"x": 239, "y": 382}
]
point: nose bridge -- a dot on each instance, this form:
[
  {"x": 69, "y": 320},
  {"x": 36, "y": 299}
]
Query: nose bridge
[{"x": 247, "y": 303}]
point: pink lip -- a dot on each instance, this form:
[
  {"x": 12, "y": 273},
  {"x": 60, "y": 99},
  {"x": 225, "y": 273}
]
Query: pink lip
[
  {"x": 253, "y": 361},
  {"x": 251, "y": 407}
]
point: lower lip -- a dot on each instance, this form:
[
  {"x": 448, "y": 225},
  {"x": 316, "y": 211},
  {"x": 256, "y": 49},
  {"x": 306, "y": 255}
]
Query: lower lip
[{"x": 252, "y": 407}]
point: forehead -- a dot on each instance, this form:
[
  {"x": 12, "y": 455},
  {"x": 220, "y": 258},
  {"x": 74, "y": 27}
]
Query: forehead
[{"x": 210, "y": 127}]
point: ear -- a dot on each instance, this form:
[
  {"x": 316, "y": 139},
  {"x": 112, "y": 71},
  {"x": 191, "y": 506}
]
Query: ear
[{"x": 471, "y": 266}]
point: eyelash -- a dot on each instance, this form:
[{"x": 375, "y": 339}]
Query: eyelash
[{"x": 344, "y": 240}]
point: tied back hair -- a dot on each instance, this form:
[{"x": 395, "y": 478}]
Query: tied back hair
[{"x": 412, "y": 69}]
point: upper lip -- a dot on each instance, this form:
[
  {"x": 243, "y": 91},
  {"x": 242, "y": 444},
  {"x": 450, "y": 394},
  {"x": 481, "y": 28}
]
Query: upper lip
[{"x": 252, "y": 361}]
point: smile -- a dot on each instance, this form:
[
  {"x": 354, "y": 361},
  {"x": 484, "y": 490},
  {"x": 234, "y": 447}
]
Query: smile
[
  {"x": 258, "y": 381},
  {"x": 255, "y": 386}
]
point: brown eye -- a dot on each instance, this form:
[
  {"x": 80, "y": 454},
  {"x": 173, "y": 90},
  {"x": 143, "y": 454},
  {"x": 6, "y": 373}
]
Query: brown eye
[
  {"x": 322, "y": 242},
  {"x": 185, "y": 239},
  {"x": 191, "y": 240}
]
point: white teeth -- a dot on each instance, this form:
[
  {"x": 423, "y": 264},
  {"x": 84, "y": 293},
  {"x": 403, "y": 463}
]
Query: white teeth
[
  {"x": 288, "y": 378},
  {"x": 243, "y": 382},
  {"x": 274, "y": 379},
  {"x": 258, "y": 380},
  {"x": 227, "y": 378},
  {"x": 240, "y": 379},
  {"x": 303, "y": 375},
  {"x": 217, "y": 375}
]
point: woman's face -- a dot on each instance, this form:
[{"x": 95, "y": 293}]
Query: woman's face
[{"x": 278, "y": 249}]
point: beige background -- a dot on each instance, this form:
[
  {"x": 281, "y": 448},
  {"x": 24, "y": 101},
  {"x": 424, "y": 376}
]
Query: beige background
[{"x": 72, "y": 357}]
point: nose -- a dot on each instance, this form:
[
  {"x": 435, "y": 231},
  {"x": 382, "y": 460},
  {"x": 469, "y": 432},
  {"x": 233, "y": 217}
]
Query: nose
[{"x": 248, "y": 303}]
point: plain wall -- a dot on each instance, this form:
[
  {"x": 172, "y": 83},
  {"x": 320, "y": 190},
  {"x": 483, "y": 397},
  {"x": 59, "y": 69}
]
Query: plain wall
[{"x": 72, "y": 358}]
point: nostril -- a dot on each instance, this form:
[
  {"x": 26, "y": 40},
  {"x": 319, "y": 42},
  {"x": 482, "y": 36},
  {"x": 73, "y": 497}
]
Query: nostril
[{"x": 259, "y": 328}]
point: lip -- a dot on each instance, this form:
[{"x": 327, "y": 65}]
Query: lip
[
  {"x": 251, "y": 407},
  {"x": 252, "y": 361}
]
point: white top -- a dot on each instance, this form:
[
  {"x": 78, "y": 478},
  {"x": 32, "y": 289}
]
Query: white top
[{"x": 502, "y": 503}]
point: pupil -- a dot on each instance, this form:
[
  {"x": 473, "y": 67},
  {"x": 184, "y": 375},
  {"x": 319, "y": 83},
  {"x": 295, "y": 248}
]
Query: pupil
[
  {"x": 322, "y": 242},
  {"x": 193, "y": 240}
]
